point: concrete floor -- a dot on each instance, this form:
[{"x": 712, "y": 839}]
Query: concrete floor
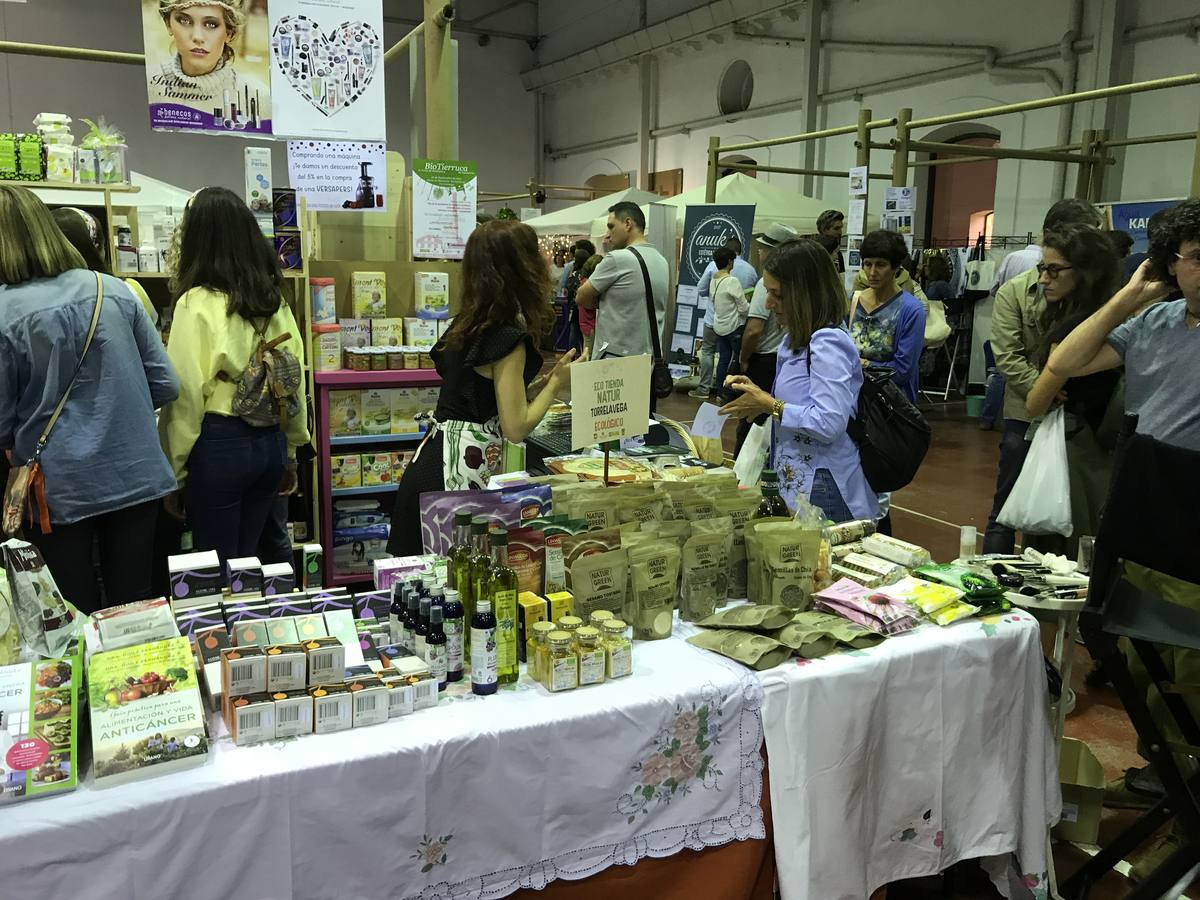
[{"x": 954, "y": 488}]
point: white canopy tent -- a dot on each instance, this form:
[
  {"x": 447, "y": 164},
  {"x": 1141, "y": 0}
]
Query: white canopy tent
[
  {"x": 772, "y": 204},
  {"x": 578, "y": 219}
]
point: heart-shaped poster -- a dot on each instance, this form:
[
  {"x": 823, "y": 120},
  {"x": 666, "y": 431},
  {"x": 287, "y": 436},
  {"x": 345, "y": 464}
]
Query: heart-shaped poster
[{"x": 331, "y": 71}]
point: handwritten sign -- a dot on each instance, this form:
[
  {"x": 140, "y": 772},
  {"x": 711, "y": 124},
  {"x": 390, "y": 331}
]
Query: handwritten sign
[{"x": 610, "y": 399}]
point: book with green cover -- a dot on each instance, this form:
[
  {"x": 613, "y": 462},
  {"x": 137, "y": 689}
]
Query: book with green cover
[
  {"x": 39, "y": 726},
  {"x": 146, "y": 711}
]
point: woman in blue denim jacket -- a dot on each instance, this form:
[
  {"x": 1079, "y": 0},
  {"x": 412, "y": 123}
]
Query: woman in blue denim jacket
[
  {"x": 104, "y": 469},
  {"x": 817, "y": 380}
]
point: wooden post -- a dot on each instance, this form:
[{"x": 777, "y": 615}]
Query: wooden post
[
  {"x": 1099, "y": 169},
  {"x": 900, "y": 157},
  {"x": 710, "y": 184},
  {"x": 1083, "y": 179},
  {"x": 863, "y": 150},
  {"x": 1196, "y": 167},
  {"x": 439, "y": 130}
]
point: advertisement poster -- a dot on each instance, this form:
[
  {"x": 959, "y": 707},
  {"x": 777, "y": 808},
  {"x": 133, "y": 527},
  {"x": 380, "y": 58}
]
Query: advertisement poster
[
  {"x": 207, "y": 66},
  {"x": 443, "y": 207},
  {"x": 705, "y": 228},
  {"x": 334, "y": 175},
  {"x": 327, "y": 69},
  {"x": 609, "y": 399},
  {"x": 1134, "y": 218}
]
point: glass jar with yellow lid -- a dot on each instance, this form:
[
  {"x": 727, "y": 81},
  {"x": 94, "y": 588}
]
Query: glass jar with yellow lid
[
  {"x": 536, "y": 649},
  {"x": 592, "y": 657},
  {"x": 618, "y": 649},
  {"x": 562, "y": 662}
]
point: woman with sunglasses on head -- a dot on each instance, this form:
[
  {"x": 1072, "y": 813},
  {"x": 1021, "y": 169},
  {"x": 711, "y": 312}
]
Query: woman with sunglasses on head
[
  {"x": 80, "y": 339},
  {"x": 817, "y": 381},
  {"x": 1079, "y": 271}
]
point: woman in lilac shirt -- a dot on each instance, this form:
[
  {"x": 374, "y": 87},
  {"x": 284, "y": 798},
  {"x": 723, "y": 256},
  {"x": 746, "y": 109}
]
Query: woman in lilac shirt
[{"x": 817, "y": 380}]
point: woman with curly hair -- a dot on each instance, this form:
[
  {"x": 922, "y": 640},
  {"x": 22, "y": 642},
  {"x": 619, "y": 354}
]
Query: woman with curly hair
[
  {"x": 1078, "y": 273},
  {"x": 488, "y": 361}
]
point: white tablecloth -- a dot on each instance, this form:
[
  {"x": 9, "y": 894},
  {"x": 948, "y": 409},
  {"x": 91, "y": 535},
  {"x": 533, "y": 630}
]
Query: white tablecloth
[
  {"x": 899, "y": 761},
  {"x": 473, "y": 799}
]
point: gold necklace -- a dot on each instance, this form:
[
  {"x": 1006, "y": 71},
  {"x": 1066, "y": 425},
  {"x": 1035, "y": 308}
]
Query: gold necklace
[{"x": 1190, "y": 319}]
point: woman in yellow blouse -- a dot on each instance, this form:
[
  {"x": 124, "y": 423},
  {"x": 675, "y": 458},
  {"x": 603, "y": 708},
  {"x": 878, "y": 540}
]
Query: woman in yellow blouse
[{"x": 228, "y": 287}]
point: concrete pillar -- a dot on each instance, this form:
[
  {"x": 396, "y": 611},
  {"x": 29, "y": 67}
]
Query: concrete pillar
[{"x": 811, "y": 72}]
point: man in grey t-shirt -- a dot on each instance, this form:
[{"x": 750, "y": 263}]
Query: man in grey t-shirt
[
  {"x": 617, "y": 289},
  {"x": 1158, "y": 344}
]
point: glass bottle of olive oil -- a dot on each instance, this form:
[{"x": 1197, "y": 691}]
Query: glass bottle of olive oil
[
  {"x": 502, "y": 590},
  {"x": 459, "y": 555}
]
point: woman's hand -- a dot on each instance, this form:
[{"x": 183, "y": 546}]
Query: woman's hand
[
  {"x": 559, "y": 378},
  {"x": 754, "y": 401},
  {"x": 174, "y": 507}
]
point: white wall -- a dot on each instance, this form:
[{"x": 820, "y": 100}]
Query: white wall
[
  {"x": 496, "y": 113},
  {"x": 605, "y": 105}
]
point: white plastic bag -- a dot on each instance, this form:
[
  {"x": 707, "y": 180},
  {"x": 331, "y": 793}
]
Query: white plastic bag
[
  {"x": 1040, "y": 502},
  {"x": 752, "y": 458}
]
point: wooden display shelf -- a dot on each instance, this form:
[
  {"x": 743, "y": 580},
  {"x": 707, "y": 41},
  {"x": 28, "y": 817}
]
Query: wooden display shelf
[
  {"x": 343, "y": 440},
  {"x": 74, "y": 186},
  {"x": 351, "y": 378}
]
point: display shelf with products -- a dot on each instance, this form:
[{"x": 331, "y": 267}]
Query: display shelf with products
[
  {"x": 362, "y": 492},
  {"x": 388, "y": 378},
  {"x": 401, "y": 396},
  {"x": 346, "y": 440}
]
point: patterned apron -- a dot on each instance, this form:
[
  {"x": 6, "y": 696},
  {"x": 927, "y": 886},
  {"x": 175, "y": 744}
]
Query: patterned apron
[{"x": 472, "y": 452}]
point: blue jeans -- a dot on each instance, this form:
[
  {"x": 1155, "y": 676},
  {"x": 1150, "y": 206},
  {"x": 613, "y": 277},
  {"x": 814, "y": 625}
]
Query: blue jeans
[
  {"x": 826, "y": 496},
  {"x": 728, "y": 346},
  {"x": 234, "y": 474},
  {"x": 1013, "y": 450}
]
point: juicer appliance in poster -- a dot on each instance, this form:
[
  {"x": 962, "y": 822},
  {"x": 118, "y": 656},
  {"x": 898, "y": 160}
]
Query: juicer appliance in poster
[
  {"x": 327, "y": 69},
  {"x": 207, "y": 66}
]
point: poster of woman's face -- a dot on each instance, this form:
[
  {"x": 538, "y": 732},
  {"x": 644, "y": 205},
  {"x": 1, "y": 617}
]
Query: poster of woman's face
[{"x": 207, "y": 66}]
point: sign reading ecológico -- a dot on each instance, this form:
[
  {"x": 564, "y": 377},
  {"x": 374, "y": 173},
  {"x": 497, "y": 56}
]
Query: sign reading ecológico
[{"x": 610, "y": 399}]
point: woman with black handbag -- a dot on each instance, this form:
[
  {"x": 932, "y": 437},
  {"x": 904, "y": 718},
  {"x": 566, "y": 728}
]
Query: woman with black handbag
[
  {"x": 817, "y": 382},
  {"x": 81, "y": 372}
]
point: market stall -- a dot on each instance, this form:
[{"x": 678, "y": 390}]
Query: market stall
[
  {"x": 577, "y": 219},
  {"x": 451, "y": 780}
]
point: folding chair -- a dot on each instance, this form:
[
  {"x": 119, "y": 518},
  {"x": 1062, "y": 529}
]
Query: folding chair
[
  {"x": 1150, "y": 519},
  {"x": 958, "y": 315}
]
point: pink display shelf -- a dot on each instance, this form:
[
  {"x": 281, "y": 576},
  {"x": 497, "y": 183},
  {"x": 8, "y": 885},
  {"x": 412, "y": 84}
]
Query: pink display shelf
[{"x": 345, "y": 379}]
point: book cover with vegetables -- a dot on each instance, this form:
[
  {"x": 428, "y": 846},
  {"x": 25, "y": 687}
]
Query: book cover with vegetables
[
  {"x": 39, "y": 733},
  {"x": 146, "y": 711}
]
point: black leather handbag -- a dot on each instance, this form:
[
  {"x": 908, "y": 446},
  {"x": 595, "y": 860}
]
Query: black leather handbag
[{"x": 661, "y": 383}]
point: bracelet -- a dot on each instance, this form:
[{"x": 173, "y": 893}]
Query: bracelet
[{"x": 777, "y": 409}]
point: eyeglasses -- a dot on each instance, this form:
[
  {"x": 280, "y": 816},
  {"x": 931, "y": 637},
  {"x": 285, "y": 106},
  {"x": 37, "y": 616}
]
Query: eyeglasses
[
  {"x": 1052, "y": 271},
  {"x": 1191, "y": 259}
]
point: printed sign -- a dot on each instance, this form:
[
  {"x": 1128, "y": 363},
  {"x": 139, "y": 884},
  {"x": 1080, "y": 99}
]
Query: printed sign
[
  {"x": 610, "y": 399},
  {"x": 1134, "y": 218},
  {"x": 444, "y": 202},
  {"x": 327, "y": 68},
  {"x": 333, "y": 175},
  {"x": 707, "y": 227},
  {"x": 206, "y": 67}
]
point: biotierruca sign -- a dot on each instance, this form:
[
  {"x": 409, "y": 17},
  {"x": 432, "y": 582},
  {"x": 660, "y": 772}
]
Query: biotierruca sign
[{"x": 610, "y": 399}]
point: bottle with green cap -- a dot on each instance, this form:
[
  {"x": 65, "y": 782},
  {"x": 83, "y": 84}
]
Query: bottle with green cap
[
  {"x": 459, "y": 555},
  {"x": 771, "y": 504},
  {"x": 501, "y": 589}
]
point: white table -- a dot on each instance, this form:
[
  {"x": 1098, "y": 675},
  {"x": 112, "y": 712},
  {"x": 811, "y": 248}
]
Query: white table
[
  {"x": 475, "y": 798},
  {"x": 901, "y": 760}
]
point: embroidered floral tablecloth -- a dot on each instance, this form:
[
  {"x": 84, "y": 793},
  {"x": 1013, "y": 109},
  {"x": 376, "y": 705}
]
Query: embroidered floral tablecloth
[
  {"x": 473, "y": 799},
  {"x": 900, "y": 760}
]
